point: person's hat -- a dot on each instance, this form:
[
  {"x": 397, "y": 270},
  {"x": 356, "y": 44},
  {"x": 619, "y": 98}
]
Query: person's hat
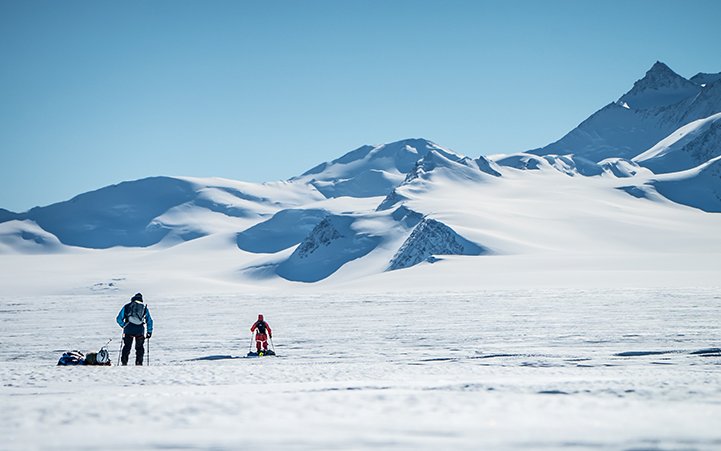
[
  {"x": 138, "y": 297},
  {"x": 260, "y": 317}
]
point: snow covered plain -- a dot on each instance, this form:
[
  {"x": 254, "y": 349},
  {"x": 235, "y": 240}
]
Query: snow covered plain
[
  {"x": 352, "y": 263},
  {"x": 495, "y": 369}
]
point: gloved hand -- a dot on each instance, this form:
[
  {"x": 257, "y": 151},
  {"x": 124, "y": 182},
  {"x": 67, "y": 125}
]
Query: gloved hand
[
  {"x": 270, "y": 335},
  {"x": 149, "y": 334}
]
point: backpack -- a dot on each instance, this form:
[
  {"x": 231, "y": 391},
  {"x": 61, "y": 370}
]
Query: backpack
[
  {"x": 71, "y": 358},
  {"x": 261, "y": 327},
  {"x": 135, "y": 313},
  {"x": 98, "y": 358},
  {"x": 103, "y": 357}
]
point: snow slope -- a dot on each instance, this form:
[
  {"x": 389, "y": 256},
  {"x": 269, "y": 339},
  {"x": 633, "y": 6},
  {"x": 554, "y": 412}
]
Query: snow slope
[
  {"x": 406, "y": 206},
  {"x": 560, "y": 208},
  {"x": 699, "y": 187},
  {"x": 369, "y": 170},
  {"x": 26, "y": 237},
  {"x": 145, "y": 212},
  {"x": 704, "y": 79},
  {"x": 659, "y": 103},
  {"x": 689, "y": 146},
  {"x": 285, "y": 229},
  {"x": 335, "y": 241}
]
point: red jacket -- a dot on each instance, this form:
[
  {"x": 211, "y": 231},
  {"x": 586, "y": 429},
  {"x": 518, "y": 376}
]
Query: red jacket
[{"x": 257, "y": 326}]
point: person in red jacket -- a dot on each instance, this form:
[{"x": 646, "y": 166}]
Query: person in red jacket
[{"x": 262, "y": 332}]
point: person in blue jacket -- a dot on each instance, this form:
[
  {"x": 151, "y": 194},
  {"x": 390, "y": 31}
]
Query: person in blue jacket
[{"x": 132, "y": 318}]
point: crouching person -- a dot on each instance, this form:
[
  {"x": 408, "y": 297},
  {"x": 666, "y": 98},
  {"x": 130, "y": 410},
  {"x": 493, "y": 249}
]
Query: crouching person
[{"x": 132, "y": 318}]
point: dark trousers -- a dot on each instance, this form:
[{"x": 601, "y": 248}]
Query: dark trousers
[{"x": 139, "y": 348}]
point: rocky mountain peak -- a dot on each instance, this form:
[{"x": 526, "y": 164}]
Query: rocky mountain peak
[{"x": 660, "y": 87}]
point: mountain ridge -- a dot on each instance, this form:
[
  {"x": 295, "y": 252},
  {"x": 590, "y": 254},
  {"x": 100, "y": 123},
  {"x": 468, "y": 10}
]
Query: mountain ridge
[
  {"x": 412, "y": 203},
  {"x": 659, "y": 103}
]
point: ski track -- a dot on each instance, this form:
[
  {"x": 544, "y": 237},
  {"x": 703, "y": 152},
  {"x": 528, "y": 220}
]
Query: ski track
[{"x": 511, "y": 369}]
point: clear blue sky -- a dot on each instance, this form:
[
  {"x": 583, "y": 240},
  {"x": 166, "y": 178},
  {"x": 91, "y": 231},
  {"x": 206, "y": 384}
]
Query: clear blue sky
[{"x": 93, "y": 93}]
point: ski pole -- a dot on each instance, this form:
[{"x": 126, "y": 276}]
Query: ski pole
[
  {"x": 148, "y": 351},
  {"x": 250, "y": 345},
  {"x": 271, "y": 344},
  {"x": 120, "y": 351}
]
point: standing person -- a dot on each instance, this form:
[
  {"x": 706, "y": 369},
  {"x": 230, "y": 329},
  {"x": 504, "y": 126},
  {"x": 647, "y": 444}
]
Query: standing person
[
  {"x": 261, "y": 339},
  {"x": 132, "y": 318}
]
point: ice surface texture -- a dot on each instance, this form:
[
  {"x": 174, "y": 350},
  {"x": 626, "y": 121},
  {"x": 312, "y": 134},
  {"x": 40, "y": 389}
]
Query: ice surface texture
[{"x": 492, "y": 369}]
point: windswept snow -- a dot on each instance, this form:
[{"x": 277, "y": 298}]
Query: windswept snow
[
  {"x": 699, "y": 187},
  {"x": 485, "y": 369},
  {"x": 331, "y": 244},
  {"x": 26, "y": 237},
  {"x": 686, "y": 148},
  {"x": 622, "y": 168},
  {"x": 143, "y": 213},
  {"x": 285, "y": 229},
  {"x": 370, "y": 170},
  {"x": 279, "y": 235}
]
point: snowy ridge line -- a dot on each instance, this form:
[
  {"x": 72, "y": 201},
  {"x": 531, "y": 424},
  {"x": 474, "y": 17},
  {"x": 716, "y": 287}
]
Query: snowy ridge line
[
  {"x": 622, "y": 184},
  {"x": 661, "y": 102}
]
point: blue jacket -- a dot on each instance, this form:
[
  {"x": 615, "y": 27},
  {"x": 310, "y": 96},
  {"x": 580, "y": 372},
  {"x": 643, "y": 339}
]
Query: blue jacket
[{"x": 133, "y": 329}]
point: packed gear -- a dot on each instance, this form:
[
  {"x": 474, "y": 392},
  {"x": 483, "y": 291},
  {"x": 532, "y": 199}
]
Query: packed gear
[
  {"x": 71, "y": 358},
  {"x": 262, "y": 333},
  {"x": 268, "y": 352},
  {"x": 98, "y": 358},
  {"x": 132, "y": 318},
  {"x": 136, "y": 311}
]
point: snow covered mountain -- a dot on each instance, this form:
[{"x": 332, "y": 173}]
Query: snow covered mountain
[
  {"x": 658, "y": 88},
  {"x": 429, "y": 239},
  {"x": 145, "y": 212},
  {"x": 26, "y": 237},
  {"x": 686, "y": 148},
  {"x": 335, "y": 241},
  {"x": 659, "y": 103},
  {"x": 7, "y": 215},
  {"x": 622, "y": 185},
  {"x": 369, "y": 170},
  {"x": 703, "y": 79},
  {"x": 699, "y": 187}
]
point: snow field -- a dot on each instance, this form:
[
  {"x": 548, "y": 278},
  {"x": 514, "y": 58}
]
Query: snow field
[{"x": 503, "y": 369}]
